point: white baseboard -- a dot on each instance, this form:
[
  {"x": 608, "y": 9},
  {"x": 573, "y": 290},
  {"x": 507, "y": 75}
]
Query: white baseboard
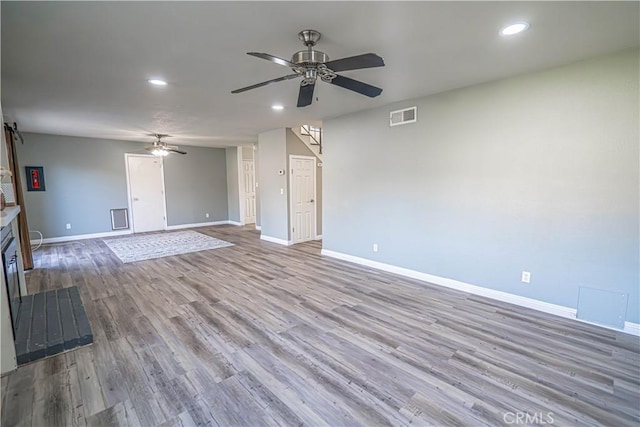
[
  {"x": 197, "y": 224},
  {"x": 318, "y": 237},
  {"x": 274, "y": 240},
  {"x": 234, "y": 222},
  {"x": 632, "y": 328},
  {"x": 80, "y": 237},
  {"x": 258, "y": 227},
  {"x": 122, "y": 233},
  {"x": 629, "y": 328},
  {"x": 558, "y": 310}
]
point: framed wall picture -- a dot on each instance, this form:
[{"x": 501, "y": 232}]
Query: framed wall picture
[{"x": 35, "y": 178}]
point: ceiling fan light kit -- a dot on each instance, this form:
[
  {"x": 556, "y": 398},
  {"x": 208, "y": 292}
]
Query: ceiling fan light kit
[
  {"x": 311, "y": 64},
  {"x": 159, "y": 152},
  {"x": 160, "y": 148}
]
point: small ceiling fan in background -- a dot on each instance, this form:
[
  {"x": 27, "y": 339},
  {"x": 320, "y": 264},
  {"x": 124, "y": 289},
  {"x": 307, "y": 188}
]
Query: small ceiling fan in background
[
  {"x": 160, "y": 148},
  {"x": 311, "y": 64}
]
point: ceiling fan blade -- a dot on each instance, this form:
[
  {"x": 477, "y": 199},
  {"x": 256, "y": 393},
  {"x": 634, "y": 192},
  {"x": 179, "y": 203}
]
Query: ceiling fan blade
[
  {"x": 305, "y": 96},
  {"x": 257, "y": 85},
  {"x": 357, "y": 86},
  {"x": 175, "y": 150},
  {"x": 366, "y": 60},
  {"x": 272, "y": 58}
]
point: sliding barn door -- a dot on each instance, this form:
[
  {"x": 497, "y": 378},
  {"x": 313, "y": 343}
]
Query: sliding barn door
[{"x": 12, "y": 154}]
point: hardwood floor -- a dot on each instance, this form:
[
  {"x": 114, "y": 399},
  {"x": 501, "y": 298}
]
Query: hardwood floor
[{"x": 261, "y": 334}]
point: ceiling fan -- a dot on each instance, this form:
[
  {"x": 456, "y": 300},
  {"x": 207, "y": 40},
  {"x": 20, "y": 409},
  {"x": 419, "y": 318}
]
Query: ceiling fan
[
  {"x": 160, "y": 148},
  {"x": 311, "y": 64}
]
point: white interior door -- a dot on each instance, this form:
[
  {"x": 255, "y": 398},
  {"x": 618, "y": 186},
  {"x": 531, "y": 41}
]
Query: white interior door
[
  {"x": 249, "y": 191},
  {"x": 146, "y": 192},
  {"x": 303, "y": 194}
]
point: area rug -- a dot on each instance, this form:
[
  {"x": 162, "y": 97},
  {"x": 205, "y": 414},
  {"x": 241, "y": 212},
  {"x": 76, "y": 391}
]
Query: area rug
[{"x": 150, "y": 246}]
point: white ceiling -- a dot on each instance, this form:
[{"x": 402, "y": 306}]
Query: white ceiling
[{"x": 80, "y": 68}]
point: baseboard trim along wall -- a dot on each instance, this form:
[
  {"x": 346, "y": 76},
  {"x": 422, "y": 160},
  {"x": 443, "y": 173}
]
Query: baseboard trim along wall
[
  {"x": 197, "y": 224},
  {"x": 81, "y": 237},
  {"x": 558, "y": 310},
  {"x": 124, "y": 232},
  {"x": 235, "y": 223},
  {"x": 631, "y": 328},
  {"x": 318, "y": 237},
  {"x": 258, "y": 227},
  {"x": 274, "y": 240}
]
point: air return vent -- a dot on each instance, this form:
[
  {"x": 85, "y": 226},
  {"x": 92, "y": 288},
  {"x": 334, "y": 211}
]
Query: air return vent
[
  {"x": 119, "y": 219},
  {"x": 402, "y": 117}
]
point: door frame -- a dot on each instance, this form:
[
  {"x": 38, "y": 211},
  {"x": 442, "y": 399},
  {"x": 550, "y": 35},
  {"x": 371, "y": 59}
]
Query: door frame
[
  {"x": 129, "y": 201},
  {"x": 315, "y": 197}
]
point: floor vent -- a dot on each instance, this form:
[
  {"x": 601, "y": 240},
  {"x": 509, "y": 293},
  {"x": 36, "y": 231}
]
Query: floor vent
[
  {"x": 119, "y": 219},
  {"x": 402, "y": 117}
]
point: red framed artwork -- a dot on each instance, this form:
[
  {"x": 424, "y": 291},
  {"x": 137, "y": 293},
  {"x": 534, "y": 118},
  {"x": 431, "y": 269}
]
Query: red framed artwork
[{"x": 35, "y": 178}]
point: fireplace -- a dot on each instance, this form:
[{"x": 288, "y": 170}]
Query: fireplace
[{"x": 10, "y": 271}]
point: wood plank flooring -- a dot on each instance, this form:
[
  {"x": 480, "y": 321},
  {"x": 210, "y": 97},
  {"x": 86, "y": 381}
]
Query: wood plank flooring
[{"x": 261, "y": 334}]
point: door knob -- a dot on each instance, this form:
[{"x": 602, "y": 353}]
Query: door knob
[
  {"x": 311, "y": 200},
  {"x": 135, "y": 199}
]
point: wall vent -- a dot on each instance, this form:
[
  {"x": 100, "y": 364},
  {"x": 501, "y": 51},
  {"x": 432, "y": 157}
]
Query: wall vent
[
  {"x": 402, "y": 117},
  {"x": 119, "y": 219}
]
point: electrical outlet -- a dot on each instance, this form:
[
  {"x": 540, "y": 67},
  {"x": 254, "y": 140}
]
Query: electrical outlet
[
  {"x": 206, "y": 215},
  {"x": 375, "y": 247},
  {"x": 526, "y": 277},
  {"x": 68, "y": 226}
]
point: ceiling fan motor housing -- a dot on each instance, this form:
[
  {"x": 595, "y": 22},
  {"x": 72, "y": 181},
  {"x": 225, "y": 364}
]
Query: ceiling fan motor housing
[
  {"x": 309, "y": 57},
  {"x": 311, "y": 64}
]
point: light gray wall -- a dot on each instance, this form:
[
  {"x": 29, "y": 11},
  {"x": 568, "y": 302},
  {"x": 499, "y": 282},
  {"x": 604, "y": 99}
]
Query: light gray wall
[
  {"x": 85, "y": 178},
  {"x": 233, "y": 191},
  {"x": 538, "y": 173},
  {"x": 272, "y": 156},
  {"x": 296, "y": 147},
  {"x": 196, "y": 184}
]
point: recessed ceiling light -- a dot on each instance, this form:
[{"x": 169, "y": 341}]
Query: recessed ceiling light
[
  {"x": 157, "y": 82},
  {"x": 514, "y": 28},
  {"x": 277, "y": 107}
]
